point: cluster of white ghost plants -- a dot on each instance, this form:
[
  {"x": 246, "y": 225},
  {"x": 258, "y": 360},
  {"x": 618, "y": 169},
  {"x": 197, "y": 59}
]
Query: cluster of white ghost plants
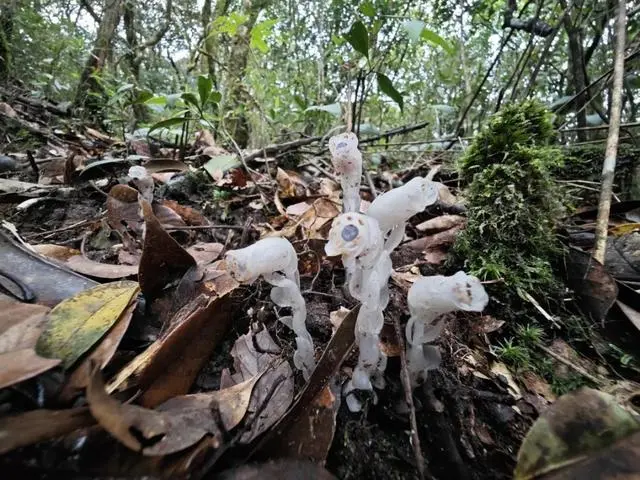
[{"x": 365, "y": 242}]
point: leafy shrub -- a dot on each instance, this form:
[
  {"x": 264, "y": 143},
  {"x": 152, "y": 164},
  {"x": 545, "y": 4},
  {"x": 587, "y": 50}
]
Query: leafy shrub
[{"x": 513, "y": 201}]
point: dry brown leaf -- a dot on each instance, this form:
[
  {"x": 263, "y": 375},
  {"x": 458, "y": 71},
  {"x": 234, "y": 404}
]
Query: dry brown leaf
[
  {"x": 40, "y": 425},
  {"x": 167, "y": 217},
  {"x": 196, "y": 331},
  {"x": 440, "y": 239},
  {"x": 130, "y": 424},
  {"x": 297, "y": 209},
  {"x": 77, "y": 262},
  {"x": 20, "y": 327},
  {"x": 123, "y": 210},
  {"x": 291, "y": 184},
  {"x": 165, "y": 165},
  {"x": 438, "y": 224},
  {"x": 163, "y": 259},
  {"x": 322, "y": 211},
  {"x": 275, "y": 387},
  {"x": 205, "y": 253},
  {"x": 191, "y": 216},
  {"x": 276, "y": 440}
]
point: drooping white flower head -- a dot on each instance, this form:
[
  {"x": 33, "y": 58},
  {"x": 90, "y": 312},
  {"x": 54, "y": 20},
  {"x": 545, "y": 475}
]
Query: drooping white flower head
[
  {"x": 428, "y": 299},
  {"x": 354, "y": 235},
  {"x": 265, "y": 257},
  {"x": 399, "y": 204}
]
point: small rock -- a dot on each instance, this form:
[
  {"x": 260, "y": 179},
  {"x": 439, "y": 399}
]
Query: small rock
[{"x": 7, "y": 164}]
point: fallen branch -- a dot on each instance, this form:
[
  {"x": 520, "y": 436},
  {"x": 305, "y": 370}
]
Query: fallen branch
[{"x": 275, "y": 149}]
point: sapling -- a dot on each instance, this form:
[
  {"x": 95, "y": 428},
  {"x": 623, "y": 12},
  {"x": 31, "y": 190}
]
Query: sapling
[
  {"x": 429, "y": 298},
  {"x": 358, "y": 239},
  {"x": 394, "y": 208},
  {"x": 276, "y": 261},
  {"x": 347, "y": 161}
]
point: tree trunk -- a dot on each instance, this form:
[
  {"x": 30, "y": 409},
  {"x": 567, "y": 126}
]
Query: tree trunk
[
  {"x": 210, "y": 41},
  {"x": 6, "y": 32},
  {"x": 89, "y": 90},
  {"x": 578, "y": 80},
  {"x": 237, "y": 97},
  {"x": 609, "y": 167}
]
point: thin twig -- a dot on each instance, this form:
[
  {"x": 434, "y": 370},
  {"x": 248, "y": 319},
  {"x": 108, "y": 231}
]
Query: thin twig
[
  {"x": 408, "y": 396},
  {"x": 207, "y": 227},
  {"x": 569, "y": 364}
]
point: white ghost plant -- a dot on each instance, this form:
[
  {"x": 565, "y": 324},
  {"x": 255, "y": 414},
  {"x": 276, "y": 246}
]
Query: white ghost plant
[
  {"x": 429, "y": 298},
  {"x": 347, "y": 162},
  {"x": 394, "y": 208},
  {"x": 358, "y": 239},
  {"x": 275, "y": 259}
]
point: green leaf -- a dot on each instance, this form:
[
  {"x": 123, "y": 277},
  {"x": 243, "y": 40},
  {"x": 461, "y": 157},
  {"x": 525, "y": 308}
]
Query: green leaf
[
  {"x": 169, "y": 122},
  {"x": 367, "y": 9},
  {"x": 300, "y": 101},
  {"x": 386, "y": 86},
  {"x": 259, "y": 33},
  {"x": 77, "y": 323},
  {"x": 358, "y": 38},
  {"x": 414, "y": 29},
  {"x": 333, "y": 108},
  {"x": 143, "y": 96},
  {"x": 432, "y": 37},
  {"x": 204, "y": 88},
  {"x": 190, "y": 98},
  {"x": 157, "y": 100},
  {"x": 215, "y": 97},
  {"x": 221, "y": 163}
]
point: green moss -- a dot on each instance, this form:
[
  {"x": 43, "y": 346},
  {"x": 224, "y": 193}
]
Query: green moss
[{"x": 513, "y": 202}]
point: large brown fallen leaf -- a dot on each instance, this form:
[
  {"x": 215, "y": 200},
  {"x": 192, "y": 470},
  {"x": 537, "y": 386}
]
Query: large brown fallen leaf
[
  {"x": 584, "y": 428},
  {"x": 286, "y": 438},
  {"x": 176, "y": 424},
  {"x": 77, "y": 262},
  {"x": 40, "y": 425},
  {"x": 163, "y": 259},
  {"x": 123, "y": 210},
  {"x": 76, "y": 324},
  {"x": 169, "y": 366},
  {"x": 20, "y": 327}
]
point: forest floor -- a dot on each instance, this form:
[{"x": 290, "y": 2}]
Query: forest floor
[{"x": 197, "y": 331}]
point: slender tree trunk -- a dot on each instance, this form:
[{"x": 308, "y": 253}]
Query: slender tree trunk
[
  {"x": 578, "y": 80},
  {"x": 609, "y": 167},
  {"x": 210, "y": 41},
  {"x": 237, "y": 97},
  {"x": 6, "y": 32},
  {"x": 89, "y": 90}
]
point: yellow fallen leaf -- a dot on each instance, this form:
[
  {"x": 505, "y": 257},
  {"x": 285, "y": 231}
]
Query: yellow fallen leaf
[
  {"x": 624, "y": 229},
  {"x": 77, "y": 323}
]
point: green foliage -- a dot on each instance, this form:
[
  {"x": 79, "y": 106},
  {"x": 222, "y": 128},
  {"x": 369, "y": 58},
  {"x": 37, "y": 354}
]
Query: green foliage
[
  {"x": 513, "y": 201},
  {"x": 513, "y": 354},
  {"x": 386, "y": 86},
  {"x": 358, "y": 38}
]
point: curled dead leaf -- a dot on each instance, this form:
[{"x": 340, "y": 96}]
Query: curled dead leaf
[{"x": 163, "y": 259}]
